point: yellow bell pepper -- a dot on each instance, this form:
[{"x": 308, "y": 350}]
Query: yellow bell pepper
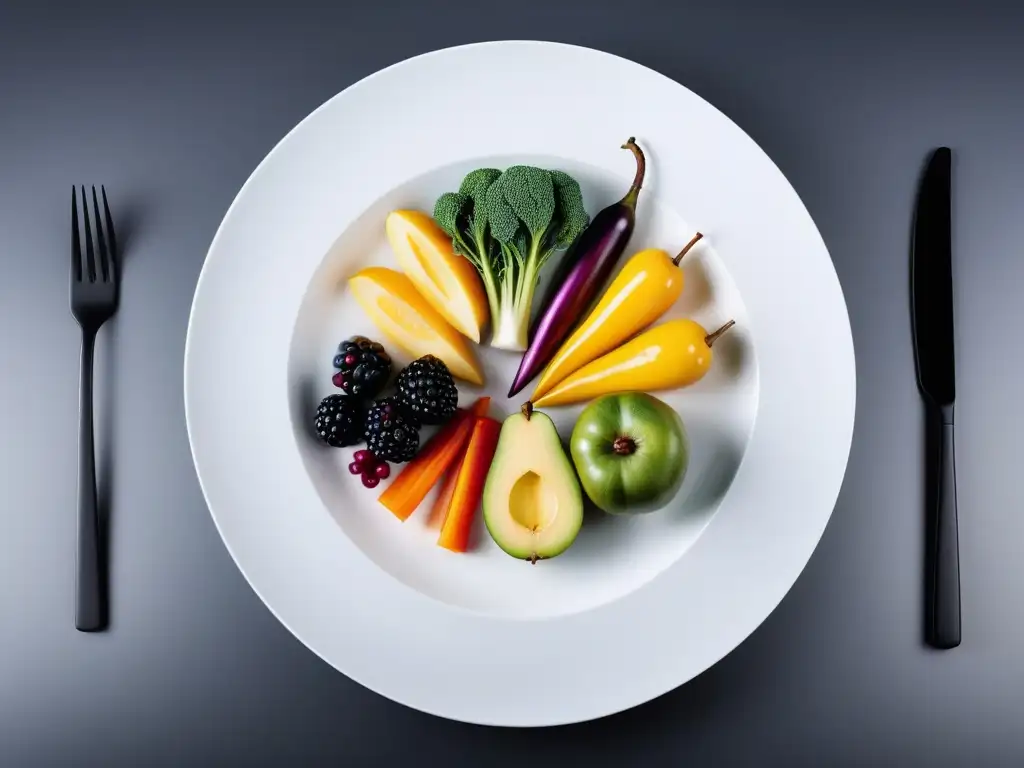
[
  {"x": 646, "y": 286},
  {"x": 670, "y": 355}
]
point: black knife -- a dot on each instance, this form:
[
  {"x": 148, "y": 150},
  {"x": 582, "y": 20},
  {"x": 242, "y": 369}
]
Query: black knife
[{"x": 931, "y": 278}]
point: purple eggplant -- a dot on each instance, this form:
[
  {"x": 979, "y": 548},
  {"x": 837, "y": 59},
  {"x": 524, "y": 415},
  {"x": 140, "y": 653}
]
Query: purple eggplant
[{"x": 579, "y": 277}]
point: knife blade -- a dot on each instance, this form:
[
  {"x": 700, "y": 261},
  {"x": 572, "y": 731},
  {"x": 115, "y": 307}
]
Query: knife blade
[
  {"x": 933, "y": 333},
  {"x": 932, "y": 280}
]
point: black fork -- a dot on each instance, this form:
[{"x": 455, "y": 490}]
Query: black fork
[{"x": 94, "y": 294}]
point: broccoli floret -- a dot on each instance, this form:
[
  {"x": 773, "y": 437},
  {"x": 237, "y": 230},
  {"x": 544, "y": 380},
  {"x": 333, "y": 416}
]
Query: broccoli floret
[
  {"x": 530, "y": 193},
  {"x": 466, "y": 223},
  {"x": 476, "y": 183},
  {"x": 508, "y": 224},
  {"x": 448, "y": 212},
  {"x": 569, "y": 199},
  {"x": 474, "y": 186},
  {"x": 502, "y": 219}
]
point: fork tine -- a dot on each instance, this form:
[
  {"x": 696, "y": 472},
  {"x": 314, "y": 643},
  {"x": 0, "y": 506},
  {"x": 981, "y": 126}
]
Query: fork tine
[
  {"x": 103, "y": 272},
  {"x": 110, "y": 232},
  {"x": 76, "y": 242},
  {"x": 90, "y": 254}
]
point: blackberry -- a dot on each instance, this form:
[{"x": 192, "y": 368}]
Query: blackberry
[
  {"x": 426, "y": 391},
  {"x": 363, "y": 367},
  {"x": 340, "y": 421},
  {"x": 389, "y": 435}
]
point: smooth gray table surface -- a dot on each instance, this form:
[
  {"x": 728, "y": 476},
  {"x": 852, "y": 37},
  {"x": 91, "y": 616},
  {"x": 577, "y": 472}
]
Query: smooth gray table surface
[{"x": 173, "y": 108}]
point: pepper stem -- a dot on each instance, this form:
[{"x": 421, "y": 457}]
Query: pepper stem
[
  {"x": 711, "y": 338},
  {"x": 641, "y": 169},
  {"x": 686, "y": 248},
  {"x": 527, "y": 410},
  {"x": 624, "y": 446}
]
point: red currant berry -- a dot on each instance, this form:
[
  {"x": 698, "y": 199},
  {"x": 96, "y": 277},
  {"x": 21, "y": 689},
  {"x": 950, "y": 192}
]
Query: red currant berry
[
  {"x": 370, "y": 481},
  {"x": 382, "y": 470},
  {"x": 355, "y": 468},
  {"x": 364, "y": 457}
]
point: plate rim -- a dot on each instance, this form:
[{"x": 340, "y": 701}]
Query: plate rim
[{"x": 310, "y": 117}]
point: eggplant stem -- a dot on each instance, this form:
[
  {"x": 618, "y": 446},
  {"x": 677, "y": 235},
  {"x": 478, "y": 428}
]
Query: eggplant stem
[
  {"x": 711, "y": 338},
  {"x": 641, "y": 169},
  {"x": 686, "y": 248}
]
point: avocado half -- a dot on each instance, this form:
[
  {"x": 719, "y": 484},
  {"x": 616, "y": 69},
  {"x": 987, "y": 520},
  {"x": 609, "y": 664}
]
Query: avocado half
[{"x": 532, "y": 503}]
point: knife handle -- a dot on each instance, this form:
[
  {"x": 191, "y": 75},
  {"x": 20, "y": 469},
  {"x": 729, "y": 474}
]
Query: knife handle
[{"x": 944, "y": 600}]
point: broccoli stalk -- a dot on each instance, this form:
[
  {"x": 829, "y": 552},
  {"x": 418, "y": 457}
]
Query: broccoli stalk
[{"x": 508, "y": 225}]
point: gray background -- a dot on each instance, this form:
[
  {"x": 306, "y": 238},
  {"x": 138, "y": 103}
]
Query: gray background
[{"x": 172, "y": 108}]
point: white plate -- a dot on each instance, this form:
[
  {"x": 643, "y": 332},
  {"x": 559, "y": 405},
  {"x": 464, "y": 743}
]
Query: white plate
[{"x": 637, "y": 606}]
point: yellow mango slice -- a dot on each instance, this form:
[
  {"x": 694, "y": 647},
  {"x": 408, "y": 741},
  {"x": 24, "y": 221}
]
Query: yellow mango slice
[
  {"x": 448, "y": 281},
  {"x": 402, "y": 314}
]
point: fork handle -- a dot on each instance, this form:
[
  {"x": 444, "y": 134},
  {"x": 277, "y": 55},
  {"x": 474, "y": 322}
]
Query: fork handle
[{"x": 89, "y": 601}]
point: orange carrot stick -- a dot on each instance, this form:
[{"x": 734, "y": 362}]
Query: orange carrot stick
[
  {"x": 439, "y": 511},
  {"x": 469, "y": 486},
  {"x": 418, "y": 476},
  {"x": 479, "y": 408}
]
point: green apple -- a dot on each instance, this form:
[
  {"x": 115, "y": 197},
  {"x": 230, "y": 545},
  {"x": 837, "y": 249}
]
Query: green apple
[{"x": 631, "y": 452}]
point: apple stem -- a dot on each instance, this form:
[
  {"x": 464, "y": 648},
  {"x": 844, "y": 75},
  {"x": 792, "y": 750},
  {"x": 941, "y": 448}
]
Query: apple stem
[
  {"x": 711, "y": 338},
  {"x": 624, "y": 446},
  {"x": 527, "y": 409},
  {"x": 686, "y": 248},
  {"x": 533, "y": 559}
]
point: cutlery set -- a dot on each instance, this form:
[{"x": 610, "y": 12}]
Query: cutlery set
[{"x": 95, "y": 282}]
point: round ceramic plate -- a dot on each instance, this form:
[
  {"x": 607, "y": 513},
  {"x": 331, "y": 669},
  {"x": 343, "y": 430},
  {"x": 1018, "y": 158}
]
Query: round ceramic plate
[{"x": 638, "y": 605}]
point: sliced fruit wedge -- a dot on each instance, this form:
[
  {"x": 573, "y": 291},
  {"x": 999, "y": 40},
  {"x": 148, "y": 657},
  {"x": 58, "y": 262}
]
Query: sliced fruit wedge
[
  {"x": 448, "y": 282},
  {"x": 402, "y": 314}
]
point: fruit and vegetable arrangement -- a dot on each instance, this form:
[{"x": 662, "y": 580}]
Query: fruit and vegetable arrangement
[{"x": 467, "y": 273}]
